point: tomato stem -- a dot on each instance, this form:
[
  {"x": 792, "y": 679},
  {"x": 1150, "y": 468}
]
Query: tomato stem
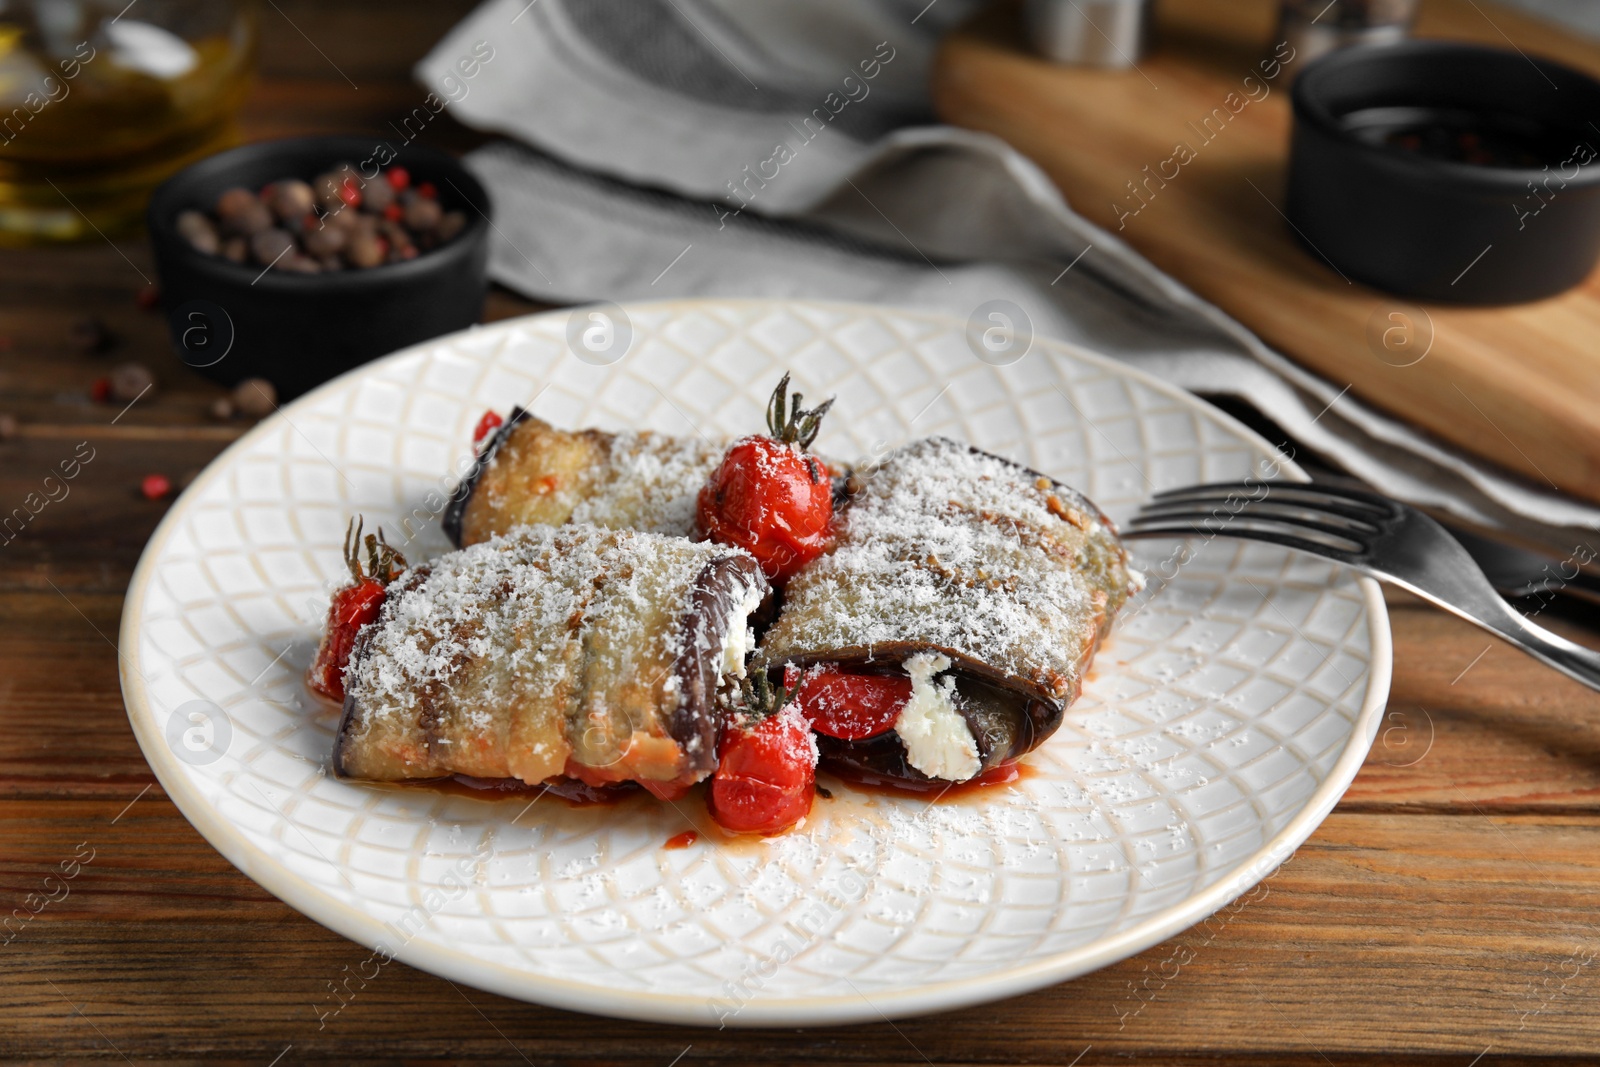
[
  {"x": 761, "y": 697},
  {"x": 791, "y": 423},
  {"x": 384, "y": 562}
]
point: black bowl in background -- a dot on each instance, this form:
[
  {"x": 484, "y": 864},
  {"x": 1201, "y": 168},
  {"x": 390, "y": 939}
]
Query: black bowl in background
[
  {"x": 299, "y": 330},
  {"x": 1415, "y": 223}
]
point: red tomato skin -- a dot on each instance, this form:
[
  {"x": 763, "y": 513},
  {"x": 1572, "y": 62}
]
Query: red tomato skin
[
  {"x": 766, "y": 776},
  {"x": 398, "y": 177},
  {"x": 850, "y": 706},
  {"x": 353, "y": 607},
  {"x": 486, "y": 426},
  {"x": 772, "y": 500}
]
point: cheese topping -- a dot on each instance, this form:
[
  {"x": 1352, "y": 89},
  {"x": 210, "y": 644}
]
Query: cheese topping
[
  {"x": 740, "y": 638},
  {"x": 938, "y": 741}
]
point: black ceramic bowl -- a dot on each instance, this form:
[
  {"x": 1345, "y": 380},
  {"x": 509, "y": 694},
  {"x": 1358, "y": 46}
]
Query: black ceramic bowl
[
  {"x": 233, "y": 321},
  {"x": 1447, "y": 171}
]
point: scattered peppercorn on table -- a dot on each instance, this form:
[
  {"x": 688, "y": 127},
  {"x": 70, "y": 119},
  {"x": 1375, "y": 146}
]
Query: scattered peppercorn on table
[{"x": 1448, "y": 906}]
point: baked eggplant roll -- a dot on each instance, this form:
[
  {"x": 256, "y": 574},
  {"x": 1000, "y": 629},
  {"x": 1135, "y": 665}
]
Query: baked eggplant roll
[
  {"x": 529, "y": 472},
  {"x": 553, "y": 651},
  {"x": 977, "y": 588}
]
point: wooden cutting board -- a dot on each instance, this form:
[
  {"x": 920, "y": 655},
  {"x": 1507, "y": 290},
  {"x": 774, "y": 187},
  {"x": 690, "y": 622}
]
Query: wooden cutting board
[{"x": 1519, "y": 386}]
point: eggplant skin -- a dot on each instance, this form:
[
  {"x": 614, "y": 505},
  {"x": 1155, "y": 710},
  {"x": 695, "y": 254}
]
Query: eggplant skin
[
  {"x": 717, "y": 592},
  {"x": 455, "y": 508}
]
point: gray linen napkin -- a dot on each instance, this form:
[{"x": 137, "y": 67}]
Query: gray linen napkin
[{"x": 674, "y": 148}]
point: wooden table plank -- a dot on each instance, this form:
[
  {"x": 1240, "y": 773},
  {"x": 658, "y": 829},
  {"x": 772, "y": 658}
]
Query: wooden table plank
[
  {"x": 1423, "y": 917},
  {"x": 1517, "y": 386},
  {"x": 1465, "y": 917}
]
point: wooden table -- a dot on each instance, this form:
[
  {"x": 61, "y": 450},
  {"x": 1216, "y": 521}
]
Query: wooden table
[{"x": 1451, "y": 904}]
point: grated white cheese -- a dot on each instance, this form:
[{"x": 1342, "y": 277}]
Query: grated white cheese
[
  {"x": 948, "y": 548},
  {"x": 937, "y": 739},
  {"x": 740, "y": 639},
  {"x": 513, "y": 656},
  {"x": 651, "y": 483}
]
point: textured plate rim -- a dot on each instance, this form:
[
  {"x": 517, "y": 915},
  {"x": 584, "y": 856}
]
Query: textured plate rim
[{"x": 272, "y": 875}]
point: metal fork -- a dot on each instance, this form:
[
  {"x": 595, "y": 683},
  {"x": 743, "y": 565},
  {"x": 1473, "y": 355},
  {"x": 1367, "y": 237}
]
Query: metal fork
[{"x": 1383, "y": 538}]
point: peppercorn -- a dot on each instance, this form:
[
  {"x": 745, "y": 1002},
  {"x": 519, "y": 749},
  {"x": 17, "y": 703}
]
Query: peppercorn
[
  {"x": 335, "y": 221},
  {"x": 326, "y": 186},
  {"x": 326, "y": 242},
  {"x": 89, "y": 336},
  {"x": 155, "y": 486},
  {"x": 130, "y": 381},
  {"x": 377, "y": 196},
  {"x": 366, "y": 249},
  {"x": 450, "y": 224},
  {"x": 422, "y": 213},
  {"x": 241, "y": 212},
  {"x": 342, "y": 219},
  {"x": 202, "y": 236},
  {"x": 232, "y": 202},
  {"x": 270, "y": 246},
  {"x": 255, "y": 397},
  {"x": 291, "y": 199}
]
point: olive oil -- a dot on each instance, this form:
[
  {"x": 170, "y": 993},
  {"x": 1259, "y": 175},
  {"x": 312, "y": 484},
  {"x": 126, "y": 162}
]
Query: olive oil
[{"x": 96, "y": 109}]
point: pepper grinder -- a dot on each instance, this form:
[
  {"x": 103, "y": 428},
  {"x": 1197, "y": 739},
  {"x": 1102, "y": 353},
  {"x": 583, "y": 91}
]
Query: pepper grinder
[
  {"x": 1315, "y": 27},
  {"x": 1096, "y": 33}
]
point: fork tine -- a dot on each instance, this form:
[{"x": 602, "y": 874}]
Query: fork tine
[
  {"x": 1316, "y": 493},
  {"x": 1322, "y": 517},
  {"x": 1239, "y": 531},
  {"x": 1346, "y": 540}
]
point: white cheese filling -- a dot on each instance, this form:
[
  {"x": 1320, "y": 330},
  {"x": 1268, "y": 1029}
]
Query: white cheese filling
[
  {"x": 937, "y": 739},
  {"x": 740, "y": 638}
]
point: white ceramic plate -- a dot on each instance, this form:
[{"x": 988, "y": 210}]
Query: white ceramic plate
[{"x": 1221, "y": 722}]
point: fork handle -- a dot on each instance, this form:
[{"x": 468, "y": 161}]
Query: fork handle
[{"x": 1568, "y": 657}]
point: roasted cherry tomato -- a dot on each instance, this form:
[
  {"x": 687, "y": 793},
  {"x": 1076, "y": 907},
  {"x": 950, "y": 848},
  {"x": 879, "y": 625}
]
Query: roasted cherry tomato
[
  {"x": 770, "y": 497},
  {"x": 486, "y": 426},
  {"x": 353, "y": 607},
  {"x": 398, "y": 177},
  {"x": 851, "y": 706},
  {"x": 766, "y": 775}
]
